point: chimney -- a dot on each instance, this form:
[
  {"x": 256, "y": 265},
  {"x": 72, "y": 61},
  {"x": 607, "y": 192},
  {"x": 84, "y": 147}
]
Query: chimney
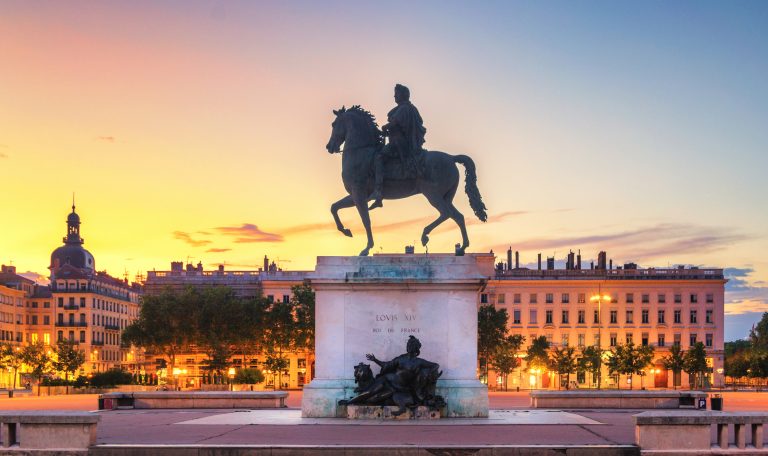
[
  {"x": 266, "y": 264},
  {"x": 610, "y": 264},
  {"x": 591, "y": 265},
  {"x": 601, "y": 260},
  {"x": 410, "y": 250},
  {"x": 569, "y": 262},
  {"x": 221, "y": 269},
  {"x": 550, "y": 263},
  {"x": 509, "y": 258},
  {"x": 199, "y": 266},
  {"x": 517, "y": 259},
  {"x": 539, "y": 262}
]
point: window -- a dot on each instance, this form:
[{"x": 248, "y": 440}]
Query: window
[
  {"x": 47, "y": 305},
  {"x": 596, "y": 339},
  {"x": 630, "y": 298},
  {"x": 661, "y": 317},
  {"x": 532, "y": 317},
  {"x": 516, "y": 298},
  {"x": 71, "y": 336},
  {"x": 82, "y": 302},
  {"x": 694, "y": 298},
  {"x": 614, "y": 298},
  {"x": 614, "y": 317},
  {"x": 61, "y": 302},
  {"x": 483, "y": 298},
  {"x": 613, "y": 340},
  {"x": 286, "y": 299},
  {"x": 629, "y": 338},
  {"x": 47, "y": 339},
  {"x": 693, "y": 339},
  {"x": 582, "y": 317},
  {"x": 533, "y": 298},
  {"x": 82, "y": 318},
  {"x": 502, "y": 298},
  {"x": 60, "y": 319},
  {"x": 630, "y": 316},
  {"x": 708, "y": 340},
  {"x": 596, "y": 317},
  {"x": 60, "y": 336},
  {"x": 565, "y": 317},
  {"x": 644, "y": 339},
  {"x": 678, "y": 298},
  {"x": 581, "y": 340},
  {"x": 646, "y": 298},
  {"x": 72, "y": 302},
  {"x": 548, "y": 318},
  {"x": 549, "y": 298},
  {"x": 693, "y": 316},
  {"x": 710, "y": 298},
  {"x": 709, "y": 316},
  {"x": 662, "y": 298},
  {"x": 46, "y": 320},
  {"x": 678, "y": 316},
  {"x": 82, "y": 336},
  {"x": 34, "y": 319},
  {"x": 565, "y": 298},
  {"x": 549, "y": 337},
  {"x": 661, "y": 340},
  {"x": 582, "y": 298},
  {"x": 565, "y": 340},
  {"x": 516, "y": 317},
  {"x": 644, "y": 316}
]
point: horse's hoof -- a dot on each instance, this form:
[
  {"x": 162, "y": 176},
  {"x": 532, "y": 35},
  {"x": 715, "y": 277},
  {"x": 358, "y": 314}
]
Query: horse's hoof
[
  {"x": 460, "y": 252},
  {"x": 347, "y": 232},
  {"x": 364, "y": 252},
  {"x": 424, "y": 240}
]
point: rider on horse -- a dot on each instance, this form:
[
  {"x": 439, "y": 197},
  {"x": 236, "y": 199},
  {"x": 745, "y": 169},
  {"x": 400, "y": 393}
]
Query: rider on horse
[{"x": 406, "y": 136}]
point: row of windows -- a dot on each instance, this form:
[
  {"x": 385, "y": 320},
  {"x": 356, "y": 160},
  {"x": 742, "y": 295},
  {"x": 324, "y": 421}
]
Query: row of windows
[
  {"x": 7, "y": 299},
  {"x": 286, "y": 298},
  {"x": 581, "y": 298},
  {"x": 7, "y": 336},
  {"x": 628, "y": 338},
  {"x": 96, "y": 304},
  {"x": 581, "y": 317},
  {"x": 34, "y": 304}
]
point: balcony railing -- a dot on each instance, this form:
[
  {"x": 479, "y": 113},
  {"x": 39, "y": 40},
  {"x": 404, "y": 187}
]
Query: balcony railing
[
  {"x": 112, "y": 327},
  {"x": 612, "y": 274},
  {"x": 71, "y": 324}
]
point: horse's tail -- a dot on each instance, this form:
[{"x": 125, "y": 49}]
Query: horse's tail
[{"x": 470, "y": 186}]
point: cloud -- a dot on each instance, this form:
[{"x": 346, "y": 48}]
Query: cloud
[
  {"x": 646, "y": 243},
  {"x": 217, "y": 250},
  {"x": 185, "y": 237},
  {"x": 248, "y": 233},
  {"x": 108, "y": 139},
  {"x": 743, "y": 296},
  {"x": 36, "y": 276}
]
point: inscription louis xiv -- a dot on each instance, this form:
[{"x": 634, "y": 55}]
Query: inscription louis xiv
[{"x": 393, "y": 318}]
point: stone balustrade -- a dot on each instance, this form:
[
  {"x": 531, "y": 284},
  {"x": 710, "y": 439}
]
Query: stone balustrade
[
  {"x": 73, "y": 431},
  {"x": 660, "y": 431}
]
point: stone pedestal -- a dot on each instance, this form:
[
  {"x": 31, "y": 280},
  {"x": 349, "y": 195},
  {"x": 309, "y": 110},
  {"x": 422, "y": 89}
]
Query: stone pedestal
[
  {"x": 372, "y": 304},
  {"x": 387, "y": 413}
]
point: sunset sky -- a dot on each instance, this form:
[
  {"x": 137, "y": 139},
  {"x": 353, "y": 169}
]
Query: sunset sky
[{"x": 196, "y": 130}]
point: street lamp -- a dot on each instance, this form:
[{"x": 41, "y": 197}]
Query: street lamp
[{"x": 599, "y": 298}]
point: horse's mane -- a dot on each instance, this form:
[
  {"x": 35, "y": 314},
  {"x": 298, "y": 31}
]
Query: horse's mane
[{"x": 371, "y": 119}]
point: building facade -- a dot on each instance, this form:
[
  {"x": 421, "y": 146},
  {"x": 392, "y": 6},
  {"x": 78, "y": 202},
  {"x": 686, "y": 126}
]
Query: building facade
[
  {"x": 269, "y": 281},
  {"x": 603, "y": 306}
]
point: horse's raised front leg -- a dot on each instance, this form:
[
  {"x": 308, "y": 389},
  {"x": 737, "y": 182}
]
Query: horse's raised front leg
[
  {"x": 361, "y": 202},
  {"x": 428, "y": 229},
  {"x": 342, "y": 204}
]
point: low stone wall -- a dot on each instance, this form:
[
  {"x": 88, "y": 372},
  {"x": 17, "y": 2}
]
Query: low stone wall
[
  {"x": 69, "y": 432},
  {"x": 616, "y": 399},
  {"x": 678, "y": 431},
  {"x": 196, "y": 399},
  {"x": 61, "y": 390}
]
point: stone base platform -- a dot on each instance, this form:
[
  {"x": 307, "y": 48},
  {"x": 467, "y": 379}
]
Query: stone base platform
[
  {"x": 616, "y": 399},
  {"x": 374, "y": 412},
  {"x": 195, "y": 399}
]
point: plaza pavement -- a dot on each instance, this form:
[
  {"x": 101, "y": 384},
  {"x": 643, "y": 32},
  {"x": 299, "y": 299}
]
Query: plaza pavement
[{"x": 153, "y": 427}]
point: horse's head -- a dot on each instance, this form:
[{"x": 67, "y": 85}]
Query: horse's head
[
  {"x": 338, "y": 132},
  {"x": 354, "y": 127}
]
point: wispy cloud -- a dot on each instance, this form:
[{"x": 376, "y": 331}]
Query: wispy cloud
[
  {"x": 248, "y": 233},
  {"x": 646, "y": 243},
  {"x": 36, "y": 276},
  {"x": 108, "y": 139},
  {"x": 217, "y": 250},
  {"x": 2, "y": 155},
  {"x": 185, "y": 237}
]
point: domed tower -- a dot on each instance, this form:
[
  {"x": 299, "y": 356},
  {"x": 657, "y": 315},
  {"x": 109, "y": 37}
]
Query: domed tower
[{"x": 72, "y": 252}]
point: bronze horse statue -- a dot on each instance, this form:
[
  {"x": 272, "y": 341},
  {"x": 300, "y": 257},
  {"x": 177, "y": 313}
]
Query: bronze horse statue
[{"x": 437, "y": 180}]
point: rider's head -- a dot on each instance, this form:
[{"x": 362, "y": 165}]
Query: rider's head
[
  {"x": 413, "y": 347},
  {"x": 402, "y": 93}
]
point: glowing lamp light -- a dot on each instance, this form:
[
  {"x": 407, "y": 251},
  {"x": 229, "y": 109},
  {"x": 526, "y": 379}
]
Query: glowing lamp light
[
  {"x": 176, "y": 371},
  {"x": 231, "y": 371}
]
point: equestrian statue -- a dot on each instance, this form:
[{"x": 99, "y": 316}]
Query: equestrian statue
[{"x": 376, "y": 170}]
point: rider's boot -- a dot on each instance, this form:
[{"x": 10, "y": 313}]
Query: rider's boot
[{"x": 378, "y": 172}]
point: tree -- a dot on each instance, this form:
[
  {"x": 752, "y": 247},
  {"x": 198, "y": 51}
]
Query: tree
[
  {"x": 166, "y": 323},
  {"x": 695, "y": 364},
  {"x": 642, "y": 355},
  {"x": 68, "y": 358},
  {"x": 303, "y": 301},
  {"x": 619, "y": 363},
  {"x": 674, "y": 362},
  {"x": 491, "y": 333},
  {"x": 248, "y": 377},
  {"x": 592, "y": 361},
  {"x": 36, "y": 357},
  {"x": 505, "y": 358},
  {"x": 758, "y": 335},
  {"x": 11, "y": 358},
  {"x": 537, "y": 354},
  {"x": 280, "y": 332},
  {"x": 563, "y": 361}
]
